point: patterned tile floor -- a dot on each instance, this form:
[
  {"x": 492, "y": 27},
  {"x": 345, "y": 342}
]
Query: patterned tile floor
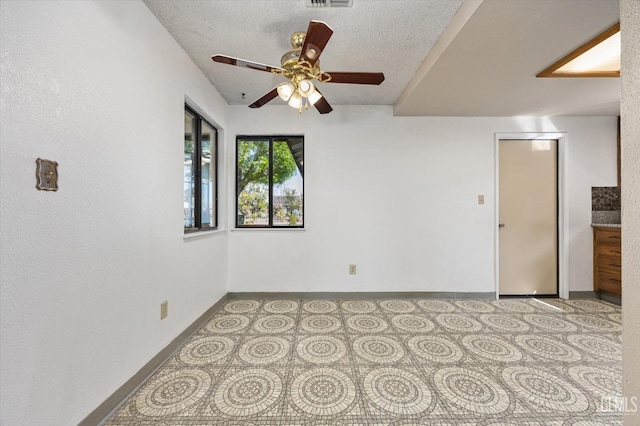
[{"x": 391, "y": 362}]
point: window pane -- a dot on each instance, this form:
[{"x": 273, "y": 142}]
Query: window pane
[
  {"x": 253, "y": 182},
  {"x": 189, "y": 170},
  {"x": 287, "y": 182},
  {"x": 207, "y": 163}
]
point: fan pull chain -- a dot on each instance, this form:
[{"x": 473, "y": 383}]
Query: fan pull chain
[{"x": 306, "y": 104}]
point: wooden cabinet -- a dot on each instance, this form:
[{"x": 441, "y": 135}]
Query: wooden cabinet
[{"x": 607, "y": 260}]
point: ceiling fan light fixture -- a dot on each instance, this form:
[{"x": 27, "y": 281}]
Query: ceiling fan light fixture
[
  {"x": 285, "y": 90},
  {"x": 314, "y": 97},
  {"x": 296, "y": 100},
  {"x": 305, "y": 87}
]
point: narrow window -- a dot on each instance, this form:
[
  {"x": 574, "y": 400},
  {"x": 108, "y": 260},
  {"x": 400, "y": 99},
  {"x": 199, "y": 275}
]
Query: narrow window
[
  {"x": 270, "y": 181},
  {"x": 200, "y": 173}
]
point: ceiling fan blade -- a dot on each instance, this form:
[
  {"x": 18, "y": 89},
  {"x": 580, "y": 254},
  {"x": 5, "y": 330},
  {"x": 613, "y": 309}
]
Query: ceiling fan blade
[
  {"x": 318, "y": 35},
  {"x": 244, "y": 64},
  {"x": 265, "y": 99},
  {"x": 322, "y": 105},
  {"x": 356, "y": 77}
]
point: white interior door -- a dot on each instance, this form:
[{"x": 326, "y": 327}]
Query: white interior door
[{"x": 528, "y": 211}]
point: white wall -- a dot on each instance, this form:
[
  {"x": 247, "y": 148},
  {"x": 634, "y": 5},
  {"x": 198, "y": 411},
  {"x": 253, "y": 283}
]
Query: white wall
[
  {"x": 98, "y": 87},
  {"x": 630, "y": 123},
  {"x": 398, "y": 197}
]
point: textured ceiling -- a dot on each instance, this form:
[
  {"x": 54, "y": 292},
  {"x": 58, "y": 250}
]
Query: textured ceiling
[
  {"x": 389, "y": 36},
  {"x": 439, "y": 57}
]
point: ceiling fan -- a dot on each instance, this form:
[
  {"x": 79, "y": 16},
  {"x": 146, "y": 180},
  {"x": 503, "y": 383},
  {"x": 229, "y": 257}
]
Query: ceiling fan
[{"x": 300, "y": 66}]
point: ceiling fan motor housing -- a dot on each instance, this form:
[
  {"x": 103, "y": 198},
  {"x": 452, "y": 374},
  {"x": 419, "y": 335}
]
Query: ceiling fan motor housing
[
  {"x": 290, "y": 57},
  {"x": 297, "y": 40}
]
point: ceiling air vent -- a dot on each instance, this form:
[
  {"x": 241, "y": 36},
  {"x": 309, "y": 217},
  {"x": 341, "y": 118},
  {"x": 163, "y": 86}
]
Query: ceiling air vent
[{"x": 329, "y": 3}]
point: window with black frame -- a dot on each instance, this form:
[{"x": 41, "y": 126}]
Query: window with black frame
[
  {"x": 270, "y": 181},
  {"x": 200, "y": 173}
]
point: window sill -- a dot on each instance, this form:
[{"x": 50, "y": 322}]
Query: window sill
[{"x": 202, "y": 234}]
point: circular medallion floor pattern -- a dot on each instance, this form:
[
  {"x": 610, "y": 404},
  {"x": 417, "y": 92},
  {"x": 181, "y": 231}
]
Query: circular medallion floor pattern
[
  {"x": 475, "y": 306},
  {"x": 280, "y": 306},
  {"x": 617, "y": 317},
  {"x": 471, "y": 390},
  {"x": 248, "y": 392},
  {"x": 515, "y": 306},
  {"x": 412, "y": 323},
  {"x": 559, "y": 365},
  {"x": 264, "y": 350},
  {"x": 590, "y": 305},
  {"x": 435, "y": 349},
  {"x": 435, "y": 306},
  {"x": 397, "y": 306},
  {"x": 545, "y": 389},
  {"x": 321, "y": 349},
  {"x": 322, "y": 391},
  {"x": 551, "y": 305},
  {"x": 602, "y": 382},
  {"x": 458, "y": 322},
  {"x": 504, "y": 322},
  {"x": 397, "y": 391},
  {"x": 274, "y": 324},
  {"x": 367, "y": 324},
  {"x": 550, "y": 323},
  {"x": 320, "y": 324},
  {"x": 378, "y": 349},
  {"x": 227, "y": 324},
  {"x": 206, "y": 350},
  {"x": 358, "y": 306},
  {"x": 172, "y": 392},
  {"x": 596, "y": 345},
  {"x": 595, "y": 322},
  {"x": 319, "y": 306},
  {"x": 492, "y": 347},
  {"x": 548, "y": 348},
  {"x": 242, "y": 306}
]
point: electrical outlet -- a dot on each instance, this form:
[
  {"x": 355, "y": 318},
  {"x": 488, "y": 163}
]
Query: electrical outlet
[
  {"x": 164, "y": 309},
  {"x": 352, "y": 269},
  {"x": 480, "y": 199}
]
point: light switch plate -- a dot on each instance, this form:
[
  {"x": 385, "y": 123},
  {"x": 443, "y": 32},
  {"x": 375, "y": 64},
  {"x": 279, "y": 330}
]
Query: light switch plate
[
  {"x": 480, "y": 199},
  {"x": 46, "y": 175}
]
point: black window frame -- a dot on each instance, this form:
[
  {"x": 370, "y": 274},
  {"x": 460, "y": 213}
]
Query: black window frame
[
  {"x": 198, "y": 120},
  {"x": 271, "y": 139}
]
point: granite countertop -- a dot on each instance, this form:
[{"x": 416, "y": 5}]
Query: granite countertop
[
  {"x": 605, "y": 219},
  {"x": 606, "y": 225}
]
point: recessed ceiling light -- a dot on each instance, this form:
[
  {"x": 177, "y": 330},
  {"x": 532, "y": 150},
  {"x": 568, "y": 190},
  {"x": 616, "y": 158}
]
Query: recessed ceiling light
[{"x": 599, "y": 57}]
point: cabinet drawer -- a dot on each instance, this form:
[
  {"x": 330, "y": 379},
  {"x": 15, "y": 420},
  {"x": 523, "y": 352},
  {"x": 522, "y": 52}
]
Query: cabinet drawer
[
  {"x": 611, "y": 235},
  {"x": 612, "y": 264},
  {"x": 610, "y": 250},
  {"x": 609, "y": 282}
]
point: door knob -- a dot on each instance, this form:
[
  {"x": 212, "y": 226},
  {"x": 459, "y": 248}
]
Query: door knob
[{"x": 501, "y": 225}]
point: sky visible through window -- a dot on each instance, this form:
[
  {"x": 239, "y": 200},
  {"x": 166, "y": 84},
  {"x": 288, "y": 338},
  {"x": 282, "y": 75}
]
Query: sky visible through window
[{"x": 293, "y": 183}]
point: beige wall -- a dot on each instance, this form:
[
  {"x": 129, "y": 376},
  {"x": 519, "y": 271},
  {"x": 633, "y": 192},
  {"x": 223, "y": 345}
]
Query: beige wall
[{"x": 630, "y": 111}]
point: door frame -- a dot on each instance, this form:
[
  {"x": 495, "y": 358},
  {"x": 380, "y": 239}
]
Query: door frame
[{"x": 563, "y": 210}]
